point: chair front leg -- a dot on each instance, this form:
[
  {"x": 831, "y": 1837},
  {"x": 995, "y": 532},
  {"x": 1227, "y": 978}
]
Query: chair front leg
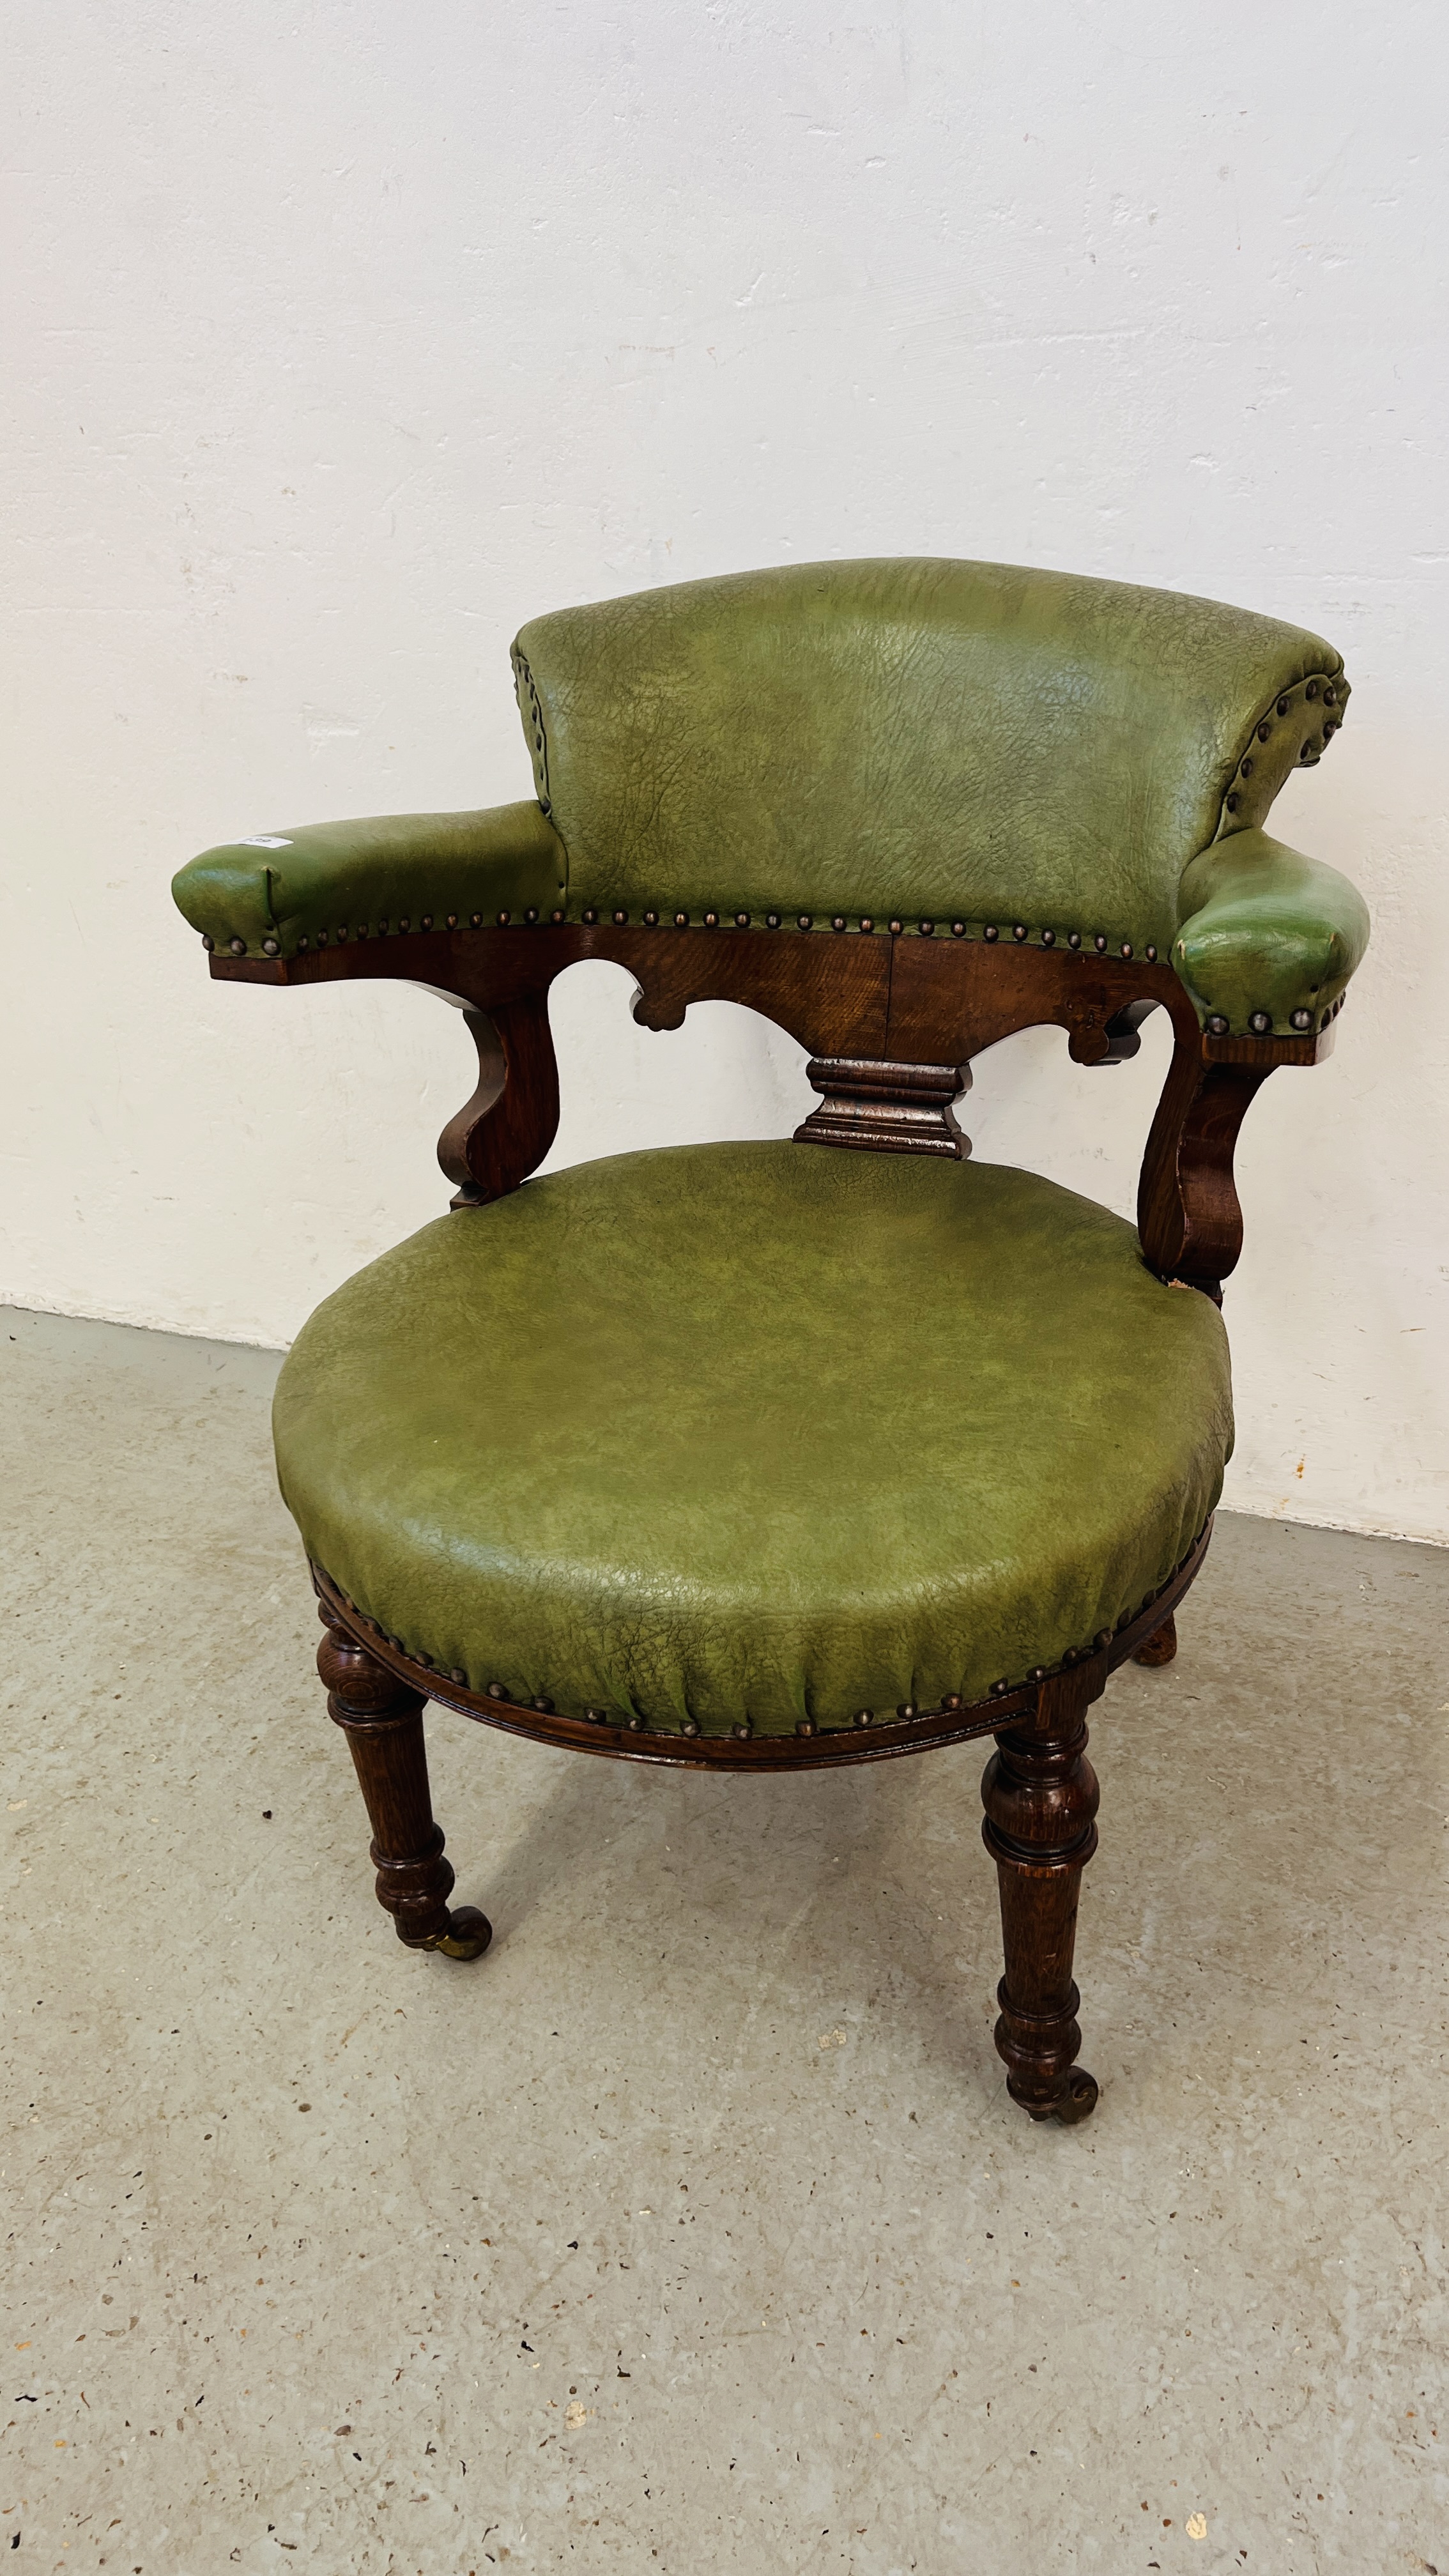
[
  {"x": 382, "y": 1720},
  {"x": 1040, "y": 1795}
]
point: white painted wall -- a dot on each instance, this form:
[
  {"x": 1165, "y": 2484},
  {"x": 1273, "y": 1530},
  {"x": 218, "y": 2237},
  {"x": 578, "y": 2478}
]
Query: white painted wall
[{"x": 341, "y": 339}]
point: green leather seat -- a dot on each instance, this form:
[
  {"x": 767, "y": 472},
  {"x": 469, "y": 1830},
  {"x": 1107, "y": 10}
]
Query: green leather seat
[{"x": 739, "y": 1436}]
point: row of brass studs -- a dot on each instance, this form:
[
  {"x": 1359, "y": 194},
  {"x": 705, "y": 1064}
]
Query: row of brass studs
[
  {"x": 866, "y": 921},
  {"x": 1261, "y": 1022},
  {"x": 991, "y": 932},
  {"x": 1313, "y": 745}
]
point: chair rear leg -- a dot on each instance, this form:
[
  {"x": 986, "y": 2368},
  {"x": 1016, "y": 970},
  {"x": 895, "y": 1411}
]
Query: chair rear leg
[
  {"x": 1040, "y": 1795},
  {"x": 1161, "y": 1646},
  {"x": 382, "y": 1720}
]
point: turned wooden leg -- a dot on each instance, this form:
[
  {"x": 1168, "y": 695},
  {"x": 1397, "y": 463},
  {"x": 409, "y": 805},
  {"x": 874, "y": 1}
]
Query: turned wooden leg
[
  {"x": 383, "y": 1723},
  {"x": 1161, "y": 1646},
  {"x": 1040, "y": 1795}
]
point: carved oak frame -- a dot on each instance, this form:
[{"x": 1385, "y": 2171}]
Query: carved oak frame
[{"x": 893, "y": 1019}]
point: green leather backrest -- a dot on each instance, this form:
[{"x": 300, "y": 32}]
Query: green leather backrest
[{"x": 913, "y": 737}]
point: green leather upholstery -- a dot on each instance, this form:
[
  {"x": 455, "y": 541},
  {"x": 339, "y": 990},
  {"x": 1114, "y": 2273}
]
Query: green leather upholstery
[
  {"x": 912, "y": 738},
  {"x": 318, "y": 883},
  {"x": 745, "y": 1434},
  {"x": 1267, "y": 932}
]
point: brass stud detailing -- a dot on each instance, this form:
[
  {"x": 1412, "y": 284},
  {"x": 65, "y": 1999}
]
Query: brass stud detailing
[
  {"x": 863, "y": 1717},
  {"x": 591, "y": 916},
  {"x": 990, "y": 932},
  {"x": 1099, "y": 942},
  {"x": 837, "y": 921},
  {"x": 1074, "y": 939},
  {"x": 425, "y": 1660},
  {"x": 681, "y": 920},
  {"x": 742, "y": 921},
  {"x": 458, "y": 1676},
  {"x": 555, "y": 916},
  {"x": 1264, "y": 730},
  {"x": 805, "y": 1726},
  {"x": 362, "y": 930},
  {"x": 1233, "y": 802},
  {"x": 803, "y": 920},
  {"x": 497, "y": 1691},
  {"x": 596, "y": 1716},
  {"x": 951, "y": 1702},
  {"x": 772, "y": 921},
  {"x": 1217, "y": 1025},
  {"x": 1049, "y": 939},
  {"x": 208, "y": 943},
  {"x": 867, "y": 921},
  {"x": 1300, "y": 1019},
  {"x": 651, "y": 920},
  {"x": 404, "y": 924},
  {"x": 690, "y": 1726},
  {"x": 504, "y": 919},
  {"x": 1312, "y": 689},
  {"x": 998, "y": 1689},
  {"x": 1039, "y": 1673},
  {"x": 711, "y": 921},
  {"x": 1260, "y": 1023},
  {"x": 1150, "y": 954},
  {"x": 238, "y": 947},
  {"x": 477, "y": 921},
  {"x": 636, "y": 1725},
  {"x": 1018, "y": 930},
  {"x": 927, "y": 929},
  {"x": 907, "y": 1709},
  {"x": 895, "y": 928},
  {"x": 1283, "y": 706},
  {"x": 742, "y": 1731},
  {"x": 1102, "y": 1639},
  {"x": 1126, "y": 947},
  {"x": 302, "y": 943},
  {"x": 427, "y": 922},
  {"x": 381, "y": 930},
  {"x": 958, "y": 929},
  {"x": 321, "y": 939},
  {"x": 530, "y": 916},
  {"x": 452, "y": 921},
  {"x": 543, "y": 1706},
  {"x": 619, "y": 920},
  {"x": 271, "y": 948}
]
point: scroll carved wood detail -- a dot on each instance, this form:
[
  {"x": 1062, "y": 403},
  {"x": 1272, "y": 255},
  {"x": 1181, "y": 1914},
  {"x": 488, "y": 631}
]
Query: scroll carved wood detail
[{"x": 887, "y": 1021}]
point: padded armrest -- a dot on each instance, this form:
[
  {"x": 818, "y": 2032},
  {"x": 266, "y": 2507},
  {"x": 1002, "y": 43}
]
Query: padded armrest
[
  {"x": 283, "y": 891},
  {"x": 1266, "y": 935}
]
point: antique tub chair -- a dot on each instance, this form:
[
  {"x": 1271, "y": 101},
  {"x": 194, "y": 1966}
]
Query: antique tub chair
[{"x": 756, "y": 1456}]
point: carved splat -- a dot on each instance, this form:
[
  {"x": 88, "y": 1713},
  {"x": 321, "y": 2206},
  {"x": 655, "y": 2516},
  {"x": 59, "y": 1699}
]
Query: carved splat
[
  {"x": 887, "y": 1021},
  {"x": 886, "y": 1108}
]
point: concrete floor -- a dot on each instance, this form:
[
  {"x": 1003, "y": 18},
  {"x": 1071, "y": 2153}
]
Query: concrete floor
[{"x": 726, "y": 2079}]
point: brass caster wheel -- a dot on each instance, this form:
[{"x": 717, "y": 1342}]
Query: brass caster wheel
[
  {"x": 1078, "y": 2102},
  {"x": 467, "y": 1936}
]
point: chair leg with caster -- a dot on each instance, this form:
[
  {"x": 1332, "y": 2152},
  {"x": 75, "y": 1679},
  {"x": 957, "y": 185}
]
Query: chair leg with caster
[
  {"x": 1040, "y": 1795},
  {"x": 383, "y": 1723}
]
